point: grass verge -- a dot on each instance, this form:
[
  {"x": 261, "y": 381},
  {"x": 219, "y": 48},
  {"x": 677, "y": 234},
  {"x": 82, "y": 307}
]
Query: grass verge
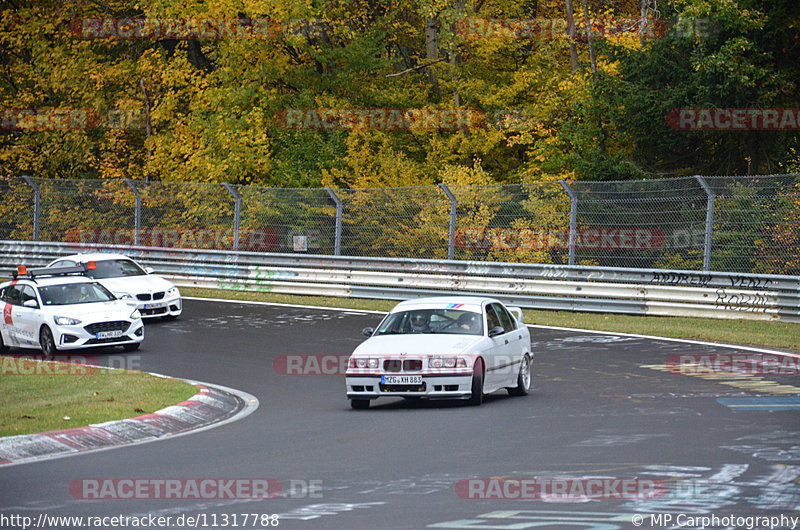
[
  {"x": 38, "y": 396},
  {"x": 747, "y": 332}
]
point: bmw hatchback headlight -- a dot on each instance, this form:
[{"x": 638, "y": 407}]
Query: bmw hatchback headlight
[
  {"x": 172, "y": 291},
  {"x": 66, "y": 321}
]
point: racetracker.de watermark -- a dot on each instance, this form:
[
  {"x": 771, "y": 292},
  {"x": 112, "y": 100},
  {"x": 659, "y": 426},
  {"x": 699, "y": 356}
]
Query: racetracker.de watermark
[
  {"x": 560, "y": 489},
  {"x": 207, "y": 488},
  {"x": 395, "y": 119},
  {"x": 256, "y": 239},
  {"x": 559, "y": 28},
  {"x": 734, "y": 364},
  {"x": 195, "y": 28},
  {"x": 46, "y": 119},
  {"x": 319, "y": 364},
  {"x": 174, "y": 28},
  {"x": 474, "y": 28},
  {"x": 605, "y": 238},
  {"x": 63, "y": 364},
  {"x": 734, "y": 119}
]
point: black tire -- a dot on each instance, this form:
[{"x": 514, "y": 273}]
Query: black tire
[
  {"x": 47, "y": 342},
  {"x": 523, "y": 378},
  {"x": 3, "y": 347},
  {"x": 477, "y": 384},
  {"x": 359, "y": 404},
  {"x": 131, "y": 347}
]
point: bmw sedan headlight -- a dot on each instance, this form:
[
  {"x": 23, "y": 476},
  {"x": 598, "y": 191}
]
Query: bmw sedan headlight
[
  {"x": 447, "y": 362},
  {"x": 123, "y": 296},
  {"x": 136, "y": 315},
  {"x": 362, "y": 362},
  {"x": 173, "y": 291},
  {"x": 66, "y": 321}
]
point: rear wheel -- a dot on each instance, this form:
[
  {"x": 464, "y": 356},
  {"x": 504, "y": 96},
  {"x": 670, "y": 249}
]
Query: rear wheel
[
  {"x": 359, "y": 404},
  {"x": 3, "y": 347},
  {"x": 47, "y": 342},
  {"x": 523, "y": 378},
  {"x": 477, "y": 384}
]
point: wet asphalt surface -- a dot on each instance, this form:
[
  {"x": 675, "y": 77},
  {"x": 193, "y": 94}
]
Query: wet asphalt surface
[{"x": 603, "y": 406}]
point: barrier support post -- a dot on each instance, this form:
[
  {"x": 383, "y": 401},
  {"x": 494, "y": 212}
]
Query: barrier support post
[{"x": 573, "y": 220}]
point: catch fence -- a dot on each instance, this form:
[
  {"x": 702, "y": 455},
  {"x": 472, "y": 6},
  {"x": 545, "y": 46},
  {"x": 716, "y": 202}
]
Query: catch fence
[{"x": 738, "y": 224}]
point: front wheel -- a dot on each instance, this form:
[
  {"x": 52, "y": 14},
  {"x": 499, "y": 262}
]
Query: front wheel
[
  {"x": 359, "y": 404},
  {"x": 47, "y": 342},
  {"x": 477, "y": 384},
  {"x": 523, "y": 378}
]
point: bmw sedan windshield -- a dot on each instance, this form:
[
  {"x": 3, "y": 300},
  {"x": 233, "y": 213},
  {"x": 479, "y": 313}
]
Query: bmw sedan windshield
[
  {"x": 115, "y": 268},
  {"x": 449, "y": 321}
]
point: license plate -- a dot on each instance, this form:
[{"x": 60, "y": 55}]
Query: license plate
[
  {"x": 155, "y": 306},
  {"x": 401, "y": 379},
  {"x": 109, "y": 334}
]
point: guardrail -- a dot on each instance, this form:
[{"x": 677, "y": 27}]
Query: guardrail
[{"x": 537, "y": 286}]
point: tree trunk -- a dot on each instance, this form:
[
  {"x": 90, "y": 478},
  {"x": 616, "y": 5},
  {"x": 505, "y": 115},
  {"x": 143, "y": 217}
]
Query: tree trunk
[
  {"x": 592, "y": 58},
  {"x": 148, "y": 130},
  {"x": 573, "y": 49},
  {"x": 432, "y": 51}
]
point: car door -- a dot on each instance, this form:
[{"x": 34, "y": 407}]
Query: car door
[
  {"x": 28, "y": 318},
  {"x": 497, "y": 358},
  {"x": 513, "y": 338},
  {"x": 12, "y": 295}
]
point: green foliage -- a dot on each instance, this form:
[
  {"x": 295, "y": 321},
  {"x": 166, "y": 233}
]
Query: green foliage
[{"x": 214, "y": 104}]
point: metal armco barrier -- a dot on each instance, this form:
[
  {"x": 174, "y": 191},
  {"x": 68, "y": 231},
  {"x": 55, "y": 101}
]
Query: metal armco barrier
[{"x": 536, "y": 286}]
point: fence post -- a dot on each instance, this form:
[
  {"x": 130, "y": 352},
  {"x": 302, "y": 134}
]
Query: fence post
[
  {"x": 237, "y": 205},
  {"x": 37, "y": 200},
  {"x": 137, "y": 220},
  {"x": 573, "y": 220},
  {"x": 337, "y": 238},
  {"x": 451, "y": 238},
  {"x": 709, "y": 221}
]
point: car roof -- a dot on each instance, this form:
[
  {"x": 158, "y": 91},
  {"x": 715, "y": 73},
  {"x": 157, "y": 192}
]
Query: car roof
[
  {"x": 467, "y": 303},
  {"x": 44, "y": 281},
  {"x": 94, "y": 256}
]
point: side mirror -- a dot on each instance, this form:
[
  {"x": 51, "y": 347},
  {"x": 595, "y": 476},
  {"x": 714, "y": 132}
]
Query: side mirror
[
  {"x": 30, "y": 303},
  {"x": 367, "y": 332},
  {"x": 149, "y": 270},
  {"x": 497, "y": 330}
]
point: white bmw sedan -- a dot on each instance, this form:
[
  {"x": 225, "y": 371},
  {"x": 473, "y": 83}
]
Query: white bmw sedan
[
  {"x": 60, "y": 309},
  {"x": 442, "y": 347},
  {"x": 151, "y": 294}
]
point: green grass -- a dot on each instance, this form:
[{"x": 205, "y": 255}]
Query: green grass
[
  {"x": 44, "y": 396},
  {"x": 748, "y": 332}
]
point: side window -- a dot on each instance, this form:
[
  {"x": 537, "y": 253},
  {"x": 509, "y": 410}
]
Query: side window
[
  {"x": 12, "y": 295},
  {"x": 491, "y": 318},
  {"x": 28, "y": 294},
  {"x": 505, "y": 318},
  {"x": 64, "y": 263}
]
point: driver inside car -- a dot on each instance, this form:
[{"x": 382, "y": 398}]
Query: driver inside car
[
  {"x": 419, "y": 322},
  {"x": 469, "y": 322}
]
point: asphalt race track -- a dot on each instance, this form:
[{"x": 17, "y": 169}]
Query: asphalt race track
[{"x": 604, "y": 406}]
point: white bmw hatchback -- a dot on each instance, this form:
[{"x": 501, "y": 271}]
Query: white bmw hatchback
[
  {"x": 445, "y": 348},
  {"x": 56, "y": 309},
  {"x": 151, "y": 294}
]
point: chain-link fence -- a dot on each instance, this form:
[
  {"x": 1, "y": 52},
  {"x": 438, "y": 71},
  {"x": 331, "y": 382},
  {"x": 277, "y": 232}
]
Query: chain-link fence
[{"x": 741, "y": 224}]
